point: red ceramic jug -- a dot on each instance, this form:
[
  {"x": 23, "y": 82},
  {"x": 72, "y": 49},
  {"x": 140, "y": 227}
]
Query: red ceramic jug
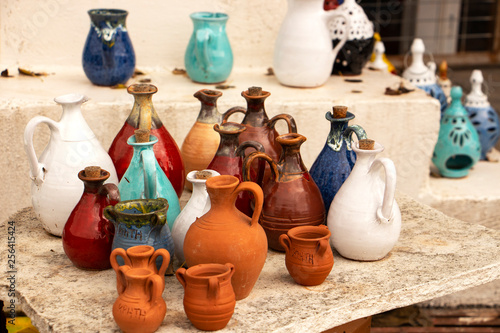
[
  {"x": 87, "y": 236},
  {"x": 144, "y": 116},
  {"x": 291, "y": 197}
]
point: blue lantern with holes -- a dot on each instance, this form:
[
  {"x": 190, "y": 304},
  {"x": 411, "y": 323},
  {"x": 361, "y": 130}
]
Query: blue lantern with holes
[{"x": 458, "y": 147}]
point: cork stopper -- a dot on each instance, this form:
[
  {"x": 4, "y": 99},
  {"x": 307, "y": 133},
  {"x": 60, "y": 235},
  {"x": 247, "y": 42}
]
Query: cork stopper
[
  {"x": 339, "y": 111},
  {"x": 254, "y": 91},
  {"x": 141, "y": 135},
  {"x": 443, "y": 70},
  {"x": 202, "y": 175},
  {"x": 93, "y": 172},
  {"x": 366, "y": 144}
]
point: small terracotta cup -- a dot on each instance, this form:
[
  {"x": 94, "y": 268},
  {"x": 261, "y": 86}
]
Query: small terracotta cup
[
  {"x": 209, "y": 298},
  {"x": 309, "y": 257}
]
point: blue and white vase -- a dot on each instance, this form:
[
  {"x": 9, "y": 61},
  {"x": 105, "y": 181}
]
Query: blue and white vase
[
  {"x": 108, "y": 56},
  {"x": 482, "y": 115}
]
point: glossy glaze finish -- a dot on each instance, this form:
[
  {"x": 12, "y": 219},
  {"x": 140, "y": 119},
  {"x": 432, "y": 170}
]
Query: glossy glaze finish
[
  {"x": 55, "y": 187},
  {"x": 139, "y": 306},
  {"x": 209, "y": 298},
  {"x": 144, "y": 116},
  {"x": 87, "y": 236},
  {"x": 309, "y": 258},
  {"x": 108, "y": 55},
  {"x": 291, "y": 197},
  {"x": 228, "y": 160},
  {"x": 336, "y": 160},
  {"x": 224, "y": 234},
  {"x": 208, "y": 57}
]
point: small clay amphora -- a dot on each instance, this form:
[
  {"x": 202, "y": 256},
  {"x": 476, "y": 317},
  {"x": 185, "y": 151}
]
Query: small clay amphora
[
  {"x": 224, "y": 234},
  {"x": 200, "y": 145},
  {"x": 140, "y": 306},
  {"x": 140, "y": 256},
  {"x": 258, "y": 125},
  {"x": 144, "y": 116},
  {"x": 309, "y": 257},
  {"x": 209, "y": 298},
  {"x": 87, "y": 236},
  {"x": 291, "y": 197},
  {"x": 228, "y": 160}
]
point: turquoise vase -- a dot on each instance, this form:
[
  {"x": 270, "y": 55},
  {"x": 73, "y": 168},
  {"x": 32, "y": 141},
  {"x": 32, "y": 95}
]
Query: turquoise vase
[
  {"x": 144, "y": 179},
  {"x": 209, "y": 58},
  {"x": 458, "y": 147}
]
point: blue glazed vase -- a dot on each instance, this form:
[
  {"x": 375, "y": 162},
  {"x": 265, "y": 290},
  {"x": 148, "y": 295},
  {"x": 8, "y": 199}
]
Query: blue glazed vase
[
  {"x": 144, "y": 179},
  {"x": 482, "y": 115},
  {"x": 108, "y": 56},
  {"x": 208, "y": 57},
  {"x": 458, "y": 147},
  {"x": 141, "y": 222},
  {"x": 335, "y": 162}
]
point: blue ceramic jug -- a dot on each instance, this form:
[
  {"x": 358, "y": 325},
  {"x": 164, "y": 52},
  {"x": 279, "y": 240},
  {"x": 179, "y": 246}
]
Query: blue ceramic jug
[
  {"x": 335, "y": 162},
  {"x": 108, "y": 56},
  {"x": 144, "y": 179},
  {"x": 458, "y": 147},
  {"x": 209, "y": 58},
  {"x": 141, "y": 222}
]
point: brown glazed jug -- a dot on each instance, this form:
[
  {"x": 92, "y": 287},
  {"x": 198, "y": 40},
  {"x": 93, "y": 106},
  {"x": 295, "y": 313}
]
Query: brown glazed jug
[
  {"x": 140, "y": 256},
  {"x": 209, "y": 298},
  {"x": 291, "y": 197},
  {"x": 309, "y": 257},
  {"x": 259, "y": 127},
  {"x": 201, "y": 143},
  {"x": 224, "y": 234},
  {"x": 140, "y": 306}
]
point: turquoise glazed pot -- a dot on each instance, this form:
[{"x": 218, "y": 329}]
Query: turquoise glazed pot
[
  {"x": 335, "y": 162},
  {"x": 144, "y": 179},
  {"x": 458, "y": 147},
  {"x": 108, "y": 56},
  {"x": 209, "y": 58},
  {"x": 141, "y": 222}
]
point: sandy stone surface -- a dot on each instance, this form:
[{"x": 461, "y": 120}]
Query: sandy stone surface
[{"x": 435, "y": 256}]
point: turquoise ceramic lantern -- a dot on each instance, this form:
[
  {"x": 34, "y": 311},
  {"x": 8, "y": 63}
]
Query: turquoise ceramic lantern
[
  {"x": 144, "y": 179},
  {"x": 458, "y": 147}
]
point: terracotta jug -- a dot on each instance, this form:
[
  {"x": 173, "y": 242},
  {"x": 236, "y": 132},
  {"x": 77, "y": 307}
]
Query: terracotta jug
[
  {"x": 140, "y": 256},
  {"x": 224, "y": 234},
  {"x": 364, "y": 218},
  {"x": 55, "y": 187},
  {"x": 209, "y": 298},
  {"x": 140, "y": 306},
  {"x": 87, "y": 236},
  {"x": 309, "y": 257},
  {"x": 201, "y": 143},
  {"x": 228, "y": 160},
  {"x": 144, "y": 116},
  {"x": 291, "y": 197},
  {"x": 258, "y": 125}
]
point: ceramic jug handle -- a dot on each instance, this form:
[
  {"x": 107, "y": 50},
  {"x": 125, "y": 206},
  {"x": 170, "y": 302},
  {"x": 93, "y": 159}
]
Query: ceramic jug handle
[
  {"x": 330, "y": 16},
  {"x": 121, "y": 282},
  {"x": 247, "y": 165},
  {"x": 122, "y": 253},
  {"x": 111, "y": 192},
  {"x": 231, "y": 268},
  {"x": 231, "y": 111},
  {"x": 384, "y": 213},
  {"x": 213, "y": 287},
  {"x": 240, "y": 151},
  {"x": 149, "y": 167},
  {"x": 285, "y": 242},
  {"x": 292, "y": 126},
  {"x": 37, "y": 169},
  {"x": 180, "y": 275},
  {"x": 166, "y": 260},
  {"x": 323, "y": 245},
  {"x": 256, "y": 190},
  {"x": 356, "y": 129},
  {"x": 155, "y": 285},
  {"x": 201, "y": 48}
]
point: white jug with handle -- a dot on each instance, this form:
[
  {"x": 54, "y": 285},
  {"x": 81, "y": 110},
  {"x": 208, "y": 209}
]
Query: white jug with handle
[
  {"x": 55, "y": 188},
  {"x": 364, "y": 218},
  {"x": 303, "y": 52}
]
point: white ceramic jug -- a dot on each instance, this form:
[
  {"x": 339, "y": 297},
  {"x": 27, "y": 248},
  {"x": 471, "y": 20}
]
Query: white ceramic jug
[
  {"x": 198, "y": 205},
  {"x": 364, "y": 218},
  {"x": 56, "y": 189},
  {"x": 303, "y": 54}
]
